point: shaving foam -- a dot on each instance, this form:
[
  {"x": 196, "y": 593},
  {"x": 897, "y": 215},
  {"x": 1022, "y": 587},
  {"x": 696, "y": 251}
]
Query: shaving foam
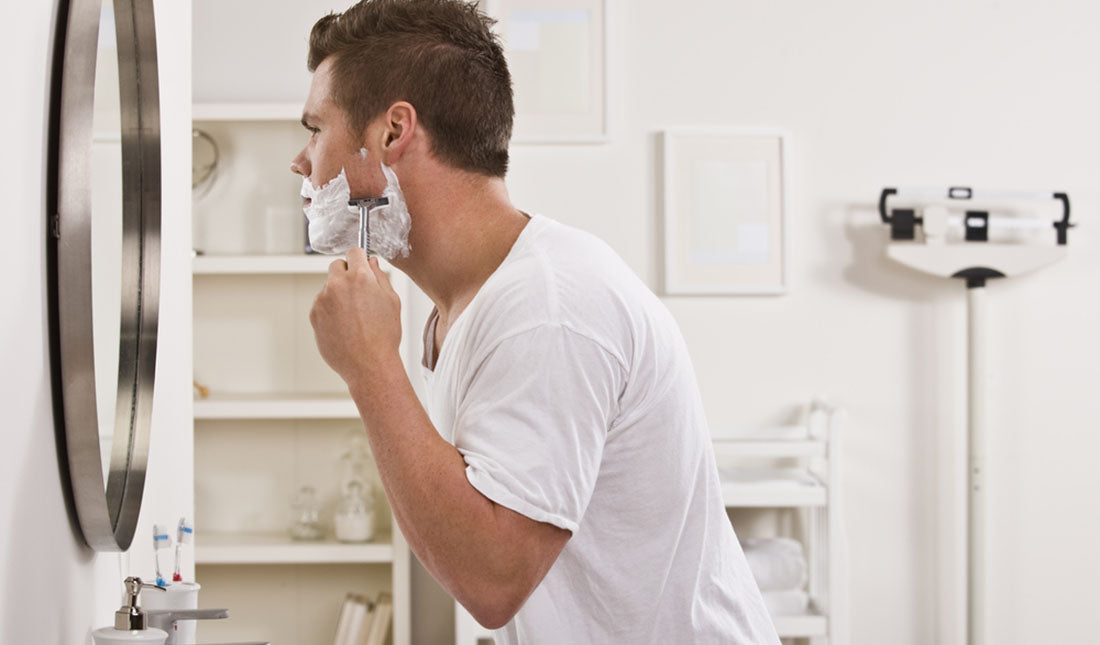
[{"x": 334, "y": 225}]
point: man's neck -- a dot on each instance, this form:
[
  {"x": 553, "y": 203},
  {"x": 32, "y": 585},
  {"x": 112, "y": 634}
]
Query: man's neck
[{"x": 463, "y": 227}]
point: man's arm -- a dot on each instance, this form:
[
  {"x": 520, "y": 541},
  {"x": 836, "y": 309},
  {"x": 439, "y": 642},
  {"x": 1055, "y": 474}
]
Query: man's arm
[{"x": 488, "y": 557}]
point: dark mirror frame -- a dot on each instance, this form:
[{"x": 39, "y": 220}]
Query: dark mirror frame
[{"x": 107, "y": 512}]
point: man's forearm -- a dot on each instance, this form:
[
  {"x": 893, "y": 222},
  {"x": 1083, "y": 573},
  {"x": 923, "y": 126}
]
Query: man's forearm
[{"x": 451, "y": 526}]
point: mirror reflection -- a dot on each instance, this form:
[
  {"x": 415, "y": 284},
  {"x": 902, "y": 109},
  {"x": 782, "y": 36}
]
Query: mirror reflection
[{"x": 106, "y": 235}]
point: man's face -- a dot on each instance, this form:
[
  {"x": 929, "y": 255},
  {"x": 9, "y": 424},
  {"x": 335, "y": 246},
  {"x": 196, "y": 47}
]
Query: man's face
[{"x": 331, "y": 146}]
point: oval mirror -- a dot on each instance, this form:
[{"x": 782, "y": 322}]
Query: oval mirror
[{"x": 105, "y": 256}]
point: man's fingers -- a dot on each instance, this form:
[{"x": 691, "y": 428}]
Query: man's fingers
[
  {"x": 357, "y": 258},
  {"x": 337, "y": 267},
  {"x": 379, "y": 273}
]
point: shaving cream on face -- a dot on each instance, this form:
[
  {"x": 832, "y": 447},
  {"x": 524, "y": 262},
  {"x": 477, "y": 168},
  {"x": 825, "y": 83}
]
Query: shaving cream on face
[
  {"x": 390, "y": 224},
  {"x": 334, "y": 225}
]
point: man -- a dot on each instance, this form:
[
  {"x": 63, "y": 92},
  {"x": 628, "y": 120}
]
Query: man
[{"x": 561, "y": 484}]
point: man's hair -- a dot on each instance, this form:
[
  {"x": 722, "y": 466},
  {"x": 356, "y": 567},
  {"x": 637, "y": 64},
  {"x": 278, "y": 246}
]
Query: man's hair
[{"x": 440, "y": 56}]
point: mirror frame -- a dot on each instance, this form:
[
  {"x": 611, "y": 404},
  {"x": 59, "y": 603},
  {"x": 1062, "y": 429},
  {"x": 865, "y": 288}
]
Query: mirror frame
[{"x": 107, "y": 511}]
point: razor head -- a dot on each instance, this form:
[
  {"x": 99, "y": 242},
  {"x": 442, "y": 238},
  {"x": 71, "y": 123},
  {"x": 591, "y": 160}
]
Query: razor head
[
  {"x": 365, "y": 205},
  {"x": 369, "y": 202}
]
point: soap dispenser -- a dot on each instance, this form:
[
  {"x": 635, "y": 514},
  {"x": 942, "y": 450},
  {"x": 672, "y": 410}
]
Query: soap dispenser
[{"x": 130, "y": 622}]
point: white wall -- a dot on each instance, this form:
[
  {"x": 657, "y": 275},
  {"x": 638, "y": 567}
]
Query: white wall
[
  {"x": 989, "y": 93},
  {"x": 55, "y": 590}
]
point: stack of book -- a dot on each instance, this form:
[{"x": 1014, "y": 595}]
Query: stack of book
[{"x": 364, "y": 622}]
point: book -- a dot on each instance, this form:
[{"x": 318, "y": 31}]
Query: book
[
  {"x": 353, "y": 622},
  {"x": 381, "y": 617}
]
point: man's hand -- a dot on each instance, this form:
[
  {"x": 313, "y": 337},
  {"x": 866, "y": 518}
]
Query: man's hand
[{"x": 357, "y": 317}]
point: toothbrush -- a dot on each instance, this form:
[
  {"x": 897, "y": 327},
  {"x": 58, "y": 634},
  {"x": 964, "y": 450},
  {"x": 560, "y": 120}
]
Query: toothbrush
[
  {"x": 185, "y": 534},
  {"x": 161, "y": 540}
]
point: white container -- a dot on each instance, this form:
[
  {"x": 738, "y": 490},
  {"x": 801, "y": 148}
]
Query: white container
[
  {"x": 180, "y": 595},
  {"x": 354, "y": 526},
  {"x": 112, "y": 636}
]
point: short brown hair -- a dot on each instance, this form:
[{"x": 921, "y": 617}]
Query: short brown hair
[{"x": 439, "y": 55}]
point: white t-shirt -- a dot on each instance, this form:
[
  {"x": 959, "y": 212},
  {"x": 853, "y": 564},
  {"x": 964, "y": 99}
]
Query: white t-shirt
[{"x": 566, "y": 386}]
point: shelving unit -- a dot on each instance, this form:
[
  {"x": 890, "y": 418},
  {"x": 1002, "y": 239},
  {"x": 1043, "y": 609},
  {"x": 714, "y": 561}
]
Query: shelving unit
[
  {"x": 277, "y": 417},
  {"x": 795, "y": 469}
]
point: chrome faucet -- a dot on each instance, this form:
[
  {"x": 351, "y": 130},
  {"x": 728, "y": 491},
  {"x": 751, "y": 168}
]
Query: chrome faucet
[{"x": 166, "y": 619}]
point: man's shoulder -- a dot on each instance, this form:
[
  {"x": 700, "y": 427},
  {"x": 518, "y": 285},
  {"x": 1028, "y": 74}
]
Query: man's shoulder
[
  {"x": 562, "y": 274},
  {"x": 569, "y": 278}
]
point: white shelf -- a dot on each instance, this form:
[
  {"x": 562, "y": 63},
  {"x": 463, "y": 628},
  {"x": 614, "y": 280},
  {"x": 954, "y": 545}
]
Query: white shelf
[
  {"x": 780, "y": 488},
  {"x": 260, "y": 264},
  {"x": 801, "y": 626},
  {"x": 246, "y": 112},
  {"x": 276, "y": 406},
  {"x": 268, "y": 548},
  {"x": 770, "y": 433},
  {"x": 780, "y": 448},
  {"x": 267, "y": 264}
]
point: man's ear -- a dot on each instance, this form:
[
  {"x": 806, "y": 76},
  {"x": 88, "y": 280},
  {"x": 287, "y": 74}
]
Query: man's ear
[{"x": 399, "y": 128}]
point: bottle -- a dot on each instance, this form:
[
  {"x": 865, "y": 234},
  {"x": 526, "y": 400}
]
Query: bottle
[{"x": 130, "y": 622}]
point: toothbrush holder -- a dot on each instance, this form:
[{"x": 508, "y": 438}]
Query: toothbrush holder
[{"x": 180, "y": 595}]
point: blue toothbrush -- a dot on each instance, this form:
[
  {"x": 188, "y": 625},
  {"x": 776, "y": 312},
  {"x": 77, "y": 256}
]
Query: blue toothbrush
[{"x": 161, "y": 540}]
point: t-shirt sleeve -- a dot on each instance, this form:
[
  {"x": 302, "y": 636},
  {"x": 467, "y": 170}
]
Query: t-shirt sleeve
[{"x": 532, "y": 423}]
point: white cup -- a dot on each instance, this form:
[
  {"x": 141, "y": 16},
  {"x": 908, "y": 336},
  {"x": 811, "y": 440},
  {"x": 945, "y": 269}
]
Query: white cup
[{"x": 180, "y": 595}]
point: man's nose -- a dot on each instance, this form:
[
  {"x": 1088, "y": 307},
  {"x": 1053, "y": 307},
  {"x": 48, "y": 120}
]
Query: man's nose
[{"x": 300, "y": 165}]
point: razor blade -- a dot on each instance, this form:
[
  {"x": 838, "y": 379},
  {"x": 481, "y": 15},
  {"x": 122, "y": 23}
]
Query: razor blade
[{"x": 365, "y": 206}]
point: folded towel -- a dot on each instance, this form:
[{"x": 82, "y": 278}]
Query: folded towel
[
  {"x": 786, "y": 603},
  {"x": 777, "y": 564}
]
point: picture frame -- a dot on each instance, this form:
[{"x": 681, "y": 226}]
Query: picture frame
[
  {"x": 558, "y": 56},
  {"x": 726, "y": 220}
]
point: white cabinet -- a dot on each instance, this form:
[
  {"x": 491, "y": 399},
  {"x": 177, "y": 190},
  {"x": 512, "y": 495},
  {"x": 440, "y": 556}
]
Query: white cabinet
[
  {"x": 794, "y": 471},
  {"x": 276, "y": 417}
]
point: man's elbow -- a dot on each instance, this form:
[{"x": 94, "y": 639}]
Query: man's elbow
[
  {"x": 494, "y": 610},
  {"x": 494, "y": 618},
  {"x": 499, "y": 588}
]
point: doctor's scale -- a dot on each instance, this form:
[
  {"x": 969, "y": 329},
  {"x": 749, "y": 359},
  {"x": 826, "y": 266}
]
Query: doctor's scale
[{"x": 960, "y": 246}]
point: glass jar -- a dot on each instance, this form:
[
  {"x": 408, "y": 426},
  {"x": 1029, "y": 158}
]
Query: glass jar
[{"x": 305, "y": 522}]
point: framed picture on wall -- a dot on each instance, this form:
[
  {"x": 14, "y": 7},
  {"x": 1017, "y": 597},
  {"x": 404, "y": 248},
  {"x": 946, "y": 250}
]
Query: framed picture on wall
[
  {"x": 557, "y": 55},
  {"x": 726, "y": 211}
]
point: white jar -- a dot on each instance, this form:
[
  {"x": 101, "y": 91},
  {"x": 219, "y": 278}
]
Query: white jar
[{"x": 354, "y": 519}]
